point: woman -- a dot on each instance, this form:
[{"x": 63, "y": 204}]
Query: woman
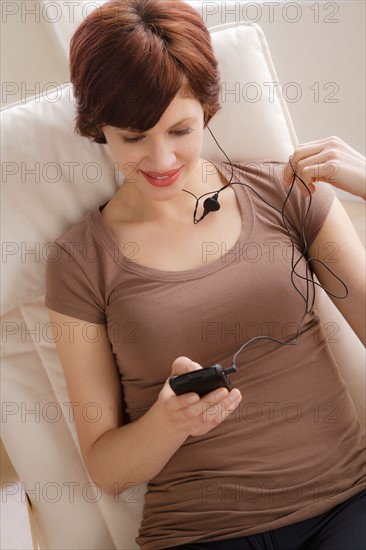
[{"x": 165, "y": 296}]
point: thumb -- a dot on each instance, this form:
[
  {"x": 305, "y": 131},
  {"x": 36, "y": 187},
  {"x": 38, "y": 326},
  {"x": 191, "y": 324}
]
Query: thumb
[
  {"x": 181, "y": 365},
  {"x": 287, "y": 174}
]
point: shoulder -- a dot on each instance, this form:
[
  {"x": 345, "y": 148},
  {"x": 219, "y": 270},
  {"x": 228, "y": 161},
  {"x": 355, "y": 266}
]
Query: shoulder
[
  {"x": 74, "y": 276},
  {"x": 78, "y": 232},
  {"x": 264, "y": 183},
  {"x": 79, "y": 243},
  {"x": 261, "y": 180},
  {"x": 266, "y": 175}
]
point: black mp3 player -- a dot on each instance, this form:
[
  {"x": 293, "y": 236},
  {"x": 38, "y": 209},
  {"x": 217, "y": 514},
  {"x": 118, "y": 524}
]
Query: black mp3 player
[{"x": 202, "y": 381}]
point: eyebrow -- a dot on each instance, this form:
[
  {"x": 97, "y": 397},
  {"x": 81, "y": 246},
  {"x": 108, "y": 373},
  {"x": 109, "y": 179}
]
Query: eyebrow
[{"x": 136, "y": 131}]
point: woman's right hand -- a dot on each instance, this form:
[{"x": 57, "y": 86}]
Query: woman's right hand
[
  {"x": 330, "y": 160},
  {"x": 191, "y": 414}
]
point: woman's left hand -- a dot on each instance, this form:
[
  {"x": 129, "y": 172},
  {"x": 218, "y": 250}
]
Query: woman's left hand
[{"x": 330, "y": 160}]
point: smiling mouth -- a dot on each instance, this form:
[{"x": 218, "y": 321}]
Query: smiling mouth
[{"x": 162, "y": 179}]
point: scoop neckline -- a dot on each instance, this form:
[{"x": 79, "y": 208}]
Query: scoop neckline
[{"x": 127, "y": 264}]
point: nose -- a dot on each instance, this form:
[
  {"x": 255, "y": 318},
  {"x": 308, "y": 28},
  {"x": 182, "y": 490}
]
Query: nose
[{"x": 161, "y": 155}]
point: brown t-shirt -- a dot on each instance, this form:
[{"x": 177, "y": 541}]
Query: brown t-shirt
[{"x": 294, "y": 447}]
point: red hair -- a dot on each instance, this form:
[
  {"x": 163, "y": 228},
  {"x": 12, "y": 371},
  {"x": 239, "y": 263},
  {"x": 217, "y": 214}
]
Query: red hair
[{"x": 129, "y": 58}]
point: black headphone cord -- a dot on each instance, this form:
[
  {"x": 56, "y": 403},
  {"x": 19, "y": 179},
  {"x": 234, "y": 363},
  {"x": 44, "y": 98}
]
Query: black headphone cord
[{"x": 309, "y": 276}]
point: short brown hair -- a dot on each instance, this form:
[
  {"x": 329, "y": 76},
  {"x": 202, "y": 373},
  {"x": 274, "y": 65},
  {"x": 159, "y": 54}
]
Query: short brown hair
[{"x": 129, "y": 58}]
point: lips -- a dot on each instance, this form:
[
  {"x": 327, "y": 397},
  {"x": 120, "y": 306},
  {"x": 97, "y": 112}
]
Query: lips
[{"x": 162, "y": 179}]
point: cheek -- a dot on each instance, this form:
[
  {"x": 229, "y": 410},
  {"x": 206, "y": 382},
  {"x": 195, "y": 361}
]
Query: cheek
[
  {"x": 129, "y": 170},
  {"x": 126, "y": 160},
  {"x": 193, "y": 146}
]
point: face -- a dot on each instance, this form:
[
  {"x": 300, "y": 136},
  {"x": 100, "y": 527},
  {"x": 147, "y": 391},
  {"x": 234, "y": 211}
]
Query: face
[{"x": 161, "y": 161}]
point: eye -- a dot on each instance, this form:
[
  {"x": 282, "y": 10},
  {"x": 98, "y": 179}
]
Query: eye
[
  {"x": 182, "y": 132},
  {"x": 131, "y": 140}
]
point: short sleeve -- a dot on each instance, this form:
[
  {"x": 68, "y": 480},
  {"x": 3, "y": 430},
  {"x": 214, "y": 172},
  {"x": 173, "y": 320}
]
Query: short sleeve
[
  {"x": 72, "y": 284},
  {"x": 305, "y": 211}
]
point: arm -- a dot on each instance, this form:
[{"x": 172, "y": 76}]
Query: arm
[
  {"x": 116, "y": 454},
  {"x": 348, "y": 263}
]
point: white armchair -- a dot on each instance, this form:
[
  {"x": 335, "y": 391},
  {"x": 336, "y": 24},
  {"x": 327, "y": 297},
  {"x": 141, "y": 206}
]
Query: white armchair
[{"x": 51, "y": 179}]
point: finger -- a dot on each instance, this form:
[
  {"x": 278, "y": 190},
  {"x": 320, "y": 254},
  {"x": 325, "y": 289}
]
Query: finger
[
  {"x": 219, "y": 397},
  {"x": 210, "y": 401},
  {"x": 212, "y": 398},
  {"x": 202, "y": 417},
  {"x": 332, "y": 142},
  {"x": 293, "y": 175},
  {"x": 315, "y": 168},
  {"x": 188, "y": 405},
  {"x": 303, "y": 151},
  {"x": 215, "y": 413},
  {"x": 181, "y": 365},
  {"x": 299, "y": 154},
  {"x": 320, "y": 142},
  {"x": 318, "y": 168},
  {"x": 177, "y": 403},
  {"x": 305, "y": 183}
]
